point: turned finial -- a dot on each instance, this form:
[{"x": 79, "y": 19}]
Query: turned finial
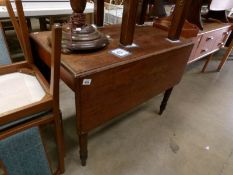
[
  {"x": 79, "y": 36},
  {"x": 78, "y": 6}
]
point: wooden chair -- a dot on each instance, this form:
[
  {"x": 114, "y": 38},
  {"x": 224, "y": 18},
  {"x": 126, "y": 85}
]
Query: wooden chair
[
  {"x": 4, "y": 52},
  {"x": 27, "y": 99}
]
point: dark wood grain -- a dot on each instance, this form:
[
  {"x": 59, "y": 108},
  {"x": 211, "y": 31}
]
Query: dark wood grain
[
  {"x": 194, "y": 14},
  {"x": 128, "y": 85},
  {"x": 50, "y": 102},
  {"x": 128, "y": 22},
  {"x": 117, "y": 84},
  {"x": 99, "y": 13},
  {"x": 83, "y": 148},
  {"x": 178, "y": 19},
  {"x": 55, "y": 64},
  {"x": 142, "y": 9},
  {"x": 78, "y": 6},
  {"x": 89, "y": 62}
]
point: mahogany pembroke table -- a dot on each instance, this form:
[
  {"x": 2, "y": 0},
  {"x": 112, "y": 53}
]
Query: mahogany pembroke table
[{"x": 105, "y": 85}]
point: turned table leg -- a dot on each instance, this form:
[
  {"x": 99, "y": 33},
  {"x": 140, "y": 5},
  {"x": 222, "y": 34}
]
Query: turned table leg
[
  {"x": 83, "y": 136},
  {"x": 165, "y": 100},
  {"x": 83, "y": 148}
]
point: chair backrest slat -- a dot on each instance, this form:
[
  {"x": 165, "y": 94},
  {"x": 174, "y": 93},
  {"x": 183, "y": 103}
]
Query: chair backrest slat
[
  {"x": 20, "y": 27},
  {"x": 24, "y": 30},
  {"x": 55, "y": 63}
]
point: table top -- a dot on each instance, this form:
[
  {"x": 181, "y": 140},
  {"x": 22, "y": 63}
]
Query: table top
[
  {"x": 150, "y": 41},
  {"x": 45, "y": 8}
]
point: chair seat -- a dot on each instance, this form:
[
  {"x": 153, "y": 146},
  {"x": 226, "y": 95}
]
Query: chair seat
[{"x": 19, "y": 90}]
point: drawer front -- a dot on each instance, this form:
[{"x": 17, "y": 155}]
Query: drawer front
[
  {"x": 206, "y": 44},
  {"x": 221, "y": 40}
]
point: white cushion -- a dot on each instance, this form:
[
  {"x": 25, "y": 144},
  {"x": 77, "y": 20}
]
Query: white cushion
[{"x": 18, "y": 90}]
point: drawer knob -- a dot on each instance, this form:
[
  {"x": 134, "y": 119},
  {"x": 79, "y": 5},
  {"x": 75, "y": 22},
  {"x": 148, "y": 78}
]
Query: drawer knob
[
  {"x": 220, "y": 44},
  {"x": 204, "y": 50},
  {"x": 210, "y": 38}
]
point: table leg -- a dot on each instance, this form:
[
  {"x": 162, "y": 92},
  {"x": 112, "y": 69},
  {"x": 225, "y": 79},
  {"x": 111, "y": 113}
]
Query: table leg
[
  {"x": 207, "y": 62},
  {"x": 43, "y": 26},
  {"x": 83, "y": 136},
  {"x": 225, "y": 57},
  {"x": 83, "y": 148},
  {"x": 165, "y": 100},
  {"x": 142, "y": 9}
]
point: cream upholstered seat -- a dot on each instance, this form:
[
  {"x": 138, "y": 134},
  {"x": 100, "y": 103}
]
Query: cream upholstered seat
[{"x": 18, "y": 90}]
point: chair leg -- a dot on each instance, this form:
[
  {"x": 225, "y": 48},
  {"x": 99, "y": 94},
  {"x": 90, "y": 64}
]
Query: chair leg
[
  {"x": 60, "y": 143},
  {"x": 225, "y": 57},
  {"x": 207, "y": 62}
]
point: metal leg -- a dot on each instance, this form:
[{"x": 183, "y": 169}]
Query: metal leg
[
  {"x": 83, "y": 148},
  {"x": 165, "y": 100}
]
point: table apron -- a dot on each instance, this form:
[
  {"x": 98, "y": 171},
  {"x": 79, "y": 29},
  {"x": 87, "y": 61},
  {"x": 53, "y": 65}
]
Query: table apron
[{"x": 117, "y": 90}]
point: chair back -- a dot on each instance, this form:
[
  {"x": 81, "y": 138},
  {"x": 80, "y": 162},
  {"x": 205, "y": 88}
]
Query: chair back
[
  {"x": 22, "y": 33},
  {"x": 4, "y": 52}
]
